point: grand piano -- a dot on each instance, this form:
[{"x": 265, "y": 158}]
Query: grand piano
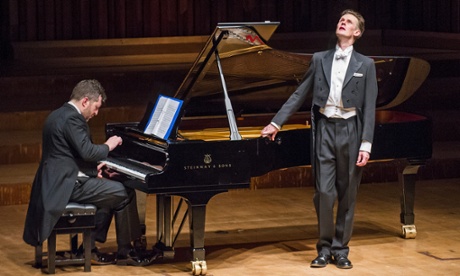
[{"x": 232, "y": 90}]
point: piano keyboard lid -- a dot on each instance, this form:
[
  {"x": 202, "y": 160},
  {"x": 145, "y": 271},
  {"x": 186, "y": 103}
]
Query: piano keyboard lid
[{"x": 259, "y": 78}]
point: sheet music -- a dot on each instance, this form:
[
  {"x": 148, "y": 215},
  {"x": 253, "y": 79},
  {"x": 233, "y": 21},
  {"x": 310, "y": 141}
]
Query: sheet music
[{"x": 163, "y": 116}]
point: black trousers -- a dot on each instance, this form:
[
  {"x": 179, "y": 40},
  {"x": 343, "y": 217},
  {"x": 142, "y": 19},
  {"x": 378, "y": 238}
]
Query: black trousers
[
  {"x": 111, "y": 198},
  {"x": 336, "y": 178}
]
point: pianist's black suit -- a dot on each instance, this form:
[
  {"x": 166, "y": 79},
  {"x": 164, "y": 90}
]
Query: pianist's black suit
[
  {"x": 360, "y": 91},
  {"x": 68, "y": 149}
]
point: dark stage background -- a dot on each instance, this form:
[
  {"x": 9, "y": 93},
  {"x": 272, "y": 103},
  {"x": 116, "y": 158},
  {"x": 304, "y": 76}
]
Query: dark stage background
[
  {"x": 34, "y": 34},
  {"x": 31, "y": 20}
]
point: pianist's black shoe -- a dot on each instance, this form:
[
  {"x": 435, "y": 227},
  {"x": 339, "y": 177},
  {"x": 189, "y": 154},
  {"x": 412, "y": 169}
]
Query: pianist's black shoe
[
  {"x": 321, "y": 261},
  {"x": 136, "y": 258},
  {"x": 99, "y": 258},
  {"x": 342, "y": 262}
]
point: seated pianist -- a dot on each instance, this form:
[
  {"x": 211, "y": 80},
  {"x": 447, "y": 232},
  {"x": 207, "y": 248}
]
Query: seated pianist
[{"x": 69, "y": 172}]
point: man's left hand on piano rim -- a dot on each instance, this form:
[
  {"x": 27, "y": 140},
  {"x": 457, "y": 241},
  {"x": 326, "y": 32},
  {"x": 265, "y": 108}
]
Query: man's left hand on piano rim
[{"x": 269, "y": 131}]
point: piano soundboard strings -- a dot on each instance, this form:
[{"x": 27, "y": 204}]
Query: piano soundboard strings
[{"x": 216, "y": 134}]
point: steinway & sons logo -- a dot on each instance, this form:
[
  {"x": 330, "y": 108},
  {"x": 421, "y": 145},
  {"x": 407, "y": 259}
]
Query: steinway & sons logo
[
  {"x": 207, "y": 159},
  {"x": 207, "y": 164}
]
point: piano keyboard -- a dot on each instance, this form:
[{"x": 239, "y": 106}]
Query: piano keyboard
[{"x": 130, "y": 167}]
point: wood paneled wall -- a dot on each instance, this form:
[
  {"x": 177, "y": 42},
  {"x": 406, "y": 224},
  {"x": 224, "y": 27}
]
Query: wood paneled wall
[{"x": 32, "y": 20}]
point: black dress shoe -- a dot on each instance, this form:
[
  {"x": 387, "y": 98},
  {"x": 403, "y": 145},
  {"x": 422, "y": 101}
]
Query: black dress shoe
[
  {"x": 342, "y": 262},
  {"x": 98, "y": 258},
  {"x": 321, "y": 261},
  {"x": 135, "y": 258}
]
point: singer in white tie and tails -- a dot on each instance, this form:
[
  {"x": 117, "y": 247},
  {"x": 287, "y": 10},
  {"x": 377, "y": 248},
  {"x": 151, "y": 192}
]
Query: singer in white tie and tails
[{"x": 344, "y": 87}]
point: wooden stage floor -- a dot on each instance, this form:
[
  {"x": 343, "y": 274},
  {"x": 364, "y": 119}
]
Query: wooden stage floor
[{"x": 273, "y": 232}]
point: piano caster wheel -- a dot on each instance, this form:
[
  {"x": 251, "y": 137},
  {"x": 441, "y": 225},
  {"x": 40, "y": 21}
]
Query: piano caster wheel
[
  {"x": 409, "y": 231},
  {"x": 204, "y": 268},
  {"x": 199, "y": 268}
]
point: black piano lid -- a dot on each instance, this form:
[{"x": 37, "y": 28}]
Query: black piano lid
[
  {"x": 234, "y": 42},
  {"x": 259, "y": 78}
]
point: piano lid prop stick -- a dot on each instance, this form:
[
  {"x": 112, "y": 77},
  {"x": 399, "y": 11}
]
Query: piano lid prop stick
[{"x": 234, "y": 134}]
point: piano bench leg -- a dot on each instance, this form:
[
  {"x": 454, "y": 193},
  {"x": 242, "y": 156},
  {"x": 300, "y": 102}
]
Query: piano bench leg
[
  {"x": 38, "y": 263},
  {"x": 76, "y": 219}
]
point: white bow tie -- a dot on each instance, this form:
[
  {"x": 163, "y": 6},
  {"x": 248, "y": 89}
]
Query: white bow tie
[{"x": 341, "y": 55}]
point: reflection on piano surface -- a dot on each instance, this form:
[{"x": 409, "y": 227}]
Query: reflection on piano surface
[{"x": 232, "y": 90}]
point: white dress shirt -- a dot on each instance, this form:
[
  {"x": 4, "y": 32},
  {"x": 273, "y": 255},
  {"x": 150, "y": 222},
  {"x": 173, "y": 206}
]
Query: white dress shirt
[{"x": 334, "y": 105}]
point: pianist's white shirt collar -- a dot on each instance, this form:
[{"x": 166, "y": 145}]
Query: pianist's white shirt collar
[
  {"x": 345, "y": 52},
  {"x": 72, "y": 104}
]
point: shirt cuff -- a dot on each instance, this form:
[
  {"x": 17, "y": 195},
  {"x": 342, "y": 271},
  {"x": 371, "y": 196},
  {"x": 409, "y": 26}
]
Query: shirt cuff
[
  {"x": 276, "y": 125},
  {"x": 366, "y": 146}
]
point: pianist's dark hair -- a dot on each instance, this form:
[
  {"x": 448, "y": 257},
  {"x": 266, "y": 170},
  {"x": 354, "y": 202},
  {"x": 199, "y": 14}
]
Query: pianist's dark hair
[
  {"x": 359, "y": 17},
  {"x": 88, "y": 88}
]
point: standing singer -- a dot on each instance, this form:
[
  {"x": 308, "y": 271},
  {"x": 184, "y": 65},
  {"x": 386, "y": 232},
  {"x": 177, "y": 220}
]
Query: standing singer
[{"x": 344, "y": 87}]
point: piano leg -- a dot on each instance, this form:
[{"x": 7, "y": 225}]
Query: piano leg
[
  {"x": 197, "y": 223},
  {"x": 196, "y": 211},
  {"x": 197, "y": 220},
  {"x": 408, "y": 179}
]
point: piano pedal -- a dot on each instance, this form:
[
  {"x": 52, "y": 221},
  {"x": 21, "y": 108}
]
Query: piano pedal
[
  {"x": 167, "y": 251},
  {"x": 199, "y": 267},
  {"x": 168, "y": 254}
]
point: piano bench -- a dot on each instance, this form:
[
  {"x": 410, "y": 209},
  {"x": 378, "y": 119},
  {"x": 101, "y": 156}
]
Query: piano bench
[{"x": 76, "y": 218}]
